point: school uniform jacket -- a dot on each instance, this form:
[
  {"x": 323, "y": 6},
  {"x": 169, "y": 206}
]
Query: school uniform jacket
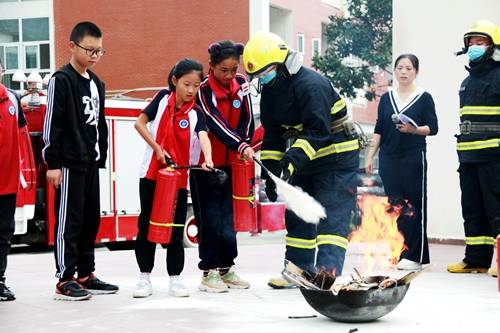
[{"x": 229, "y": 117}]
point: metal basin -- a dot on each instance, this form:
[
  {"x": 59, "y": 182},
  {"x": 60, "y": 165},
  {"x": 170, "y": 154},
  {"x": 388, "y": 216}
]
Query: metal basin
[{"x": 355, "y": 306}]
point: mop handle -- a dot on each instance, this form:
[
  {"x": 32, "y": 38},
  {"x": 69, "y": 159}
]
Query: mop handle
[
  {"x": 198, "y": 167},
  {"x": 271, "y": 175}
]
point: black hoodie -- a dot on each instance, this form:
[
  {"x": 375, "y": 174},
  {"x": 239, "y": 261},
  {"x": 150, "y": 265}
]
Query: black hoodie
[{"x": 67, "y": 141}]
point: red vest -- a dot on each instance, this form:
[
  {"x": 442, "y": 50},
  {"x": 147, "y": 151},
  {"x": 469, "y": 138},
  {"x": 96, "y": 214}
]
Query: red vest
[
  {"x": 175, "y": 135},
  {"x": 9, "y": 143}
]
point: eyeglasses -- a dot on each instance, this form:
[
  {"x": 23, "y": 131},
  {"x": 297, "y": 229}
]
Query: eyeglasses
[{"x": 92, "y": 52}]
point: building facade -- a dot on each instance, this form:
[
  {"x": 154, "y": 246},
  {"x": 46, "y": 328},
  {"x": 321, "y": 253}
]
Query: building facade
[{"x": 143, "y": 39}]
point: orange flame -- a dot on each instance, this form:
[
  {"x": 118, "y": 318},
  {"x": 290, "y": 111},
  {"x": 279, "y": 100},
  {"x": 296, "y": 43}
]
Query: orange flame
[{"x": 379, "y": 234}]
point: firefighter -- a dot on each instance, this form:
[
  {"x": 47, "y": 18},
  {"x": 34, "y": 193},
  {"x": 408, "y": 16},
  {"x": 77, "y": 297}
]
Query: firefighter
[
  {"x": 478, "y": 148},
  {"x": 224, "y": 97},
  {"x": 11, "y": 121},
  {"x": 308, "y": 142}
]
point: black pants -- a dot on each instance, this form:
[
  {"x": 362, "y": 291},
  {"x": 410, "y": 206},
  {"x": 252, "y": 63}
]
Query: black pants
[
  {"x": 480, "y": 185},
  {"x": 405, "y": 183},
  {"x": 213, "y": 211},
  {"x": 144, "y": 249},
  {"x": 336, "y": 191},
  {"x": 77, "y": 222},
  {"x": 7, "y": 226}
]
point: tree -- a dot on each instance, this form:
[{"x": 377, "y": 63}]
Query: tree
[{"x": 358, "y": 43}]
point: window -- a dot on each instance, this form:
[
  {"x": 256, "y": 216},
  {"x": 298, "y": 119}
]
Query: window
[
  {"x": 11, "y": 57},
  {"x": 300, "y": 43},
  {"x": 10, "y": 31},
  {"x": 35, "y": 29},
  {"x": 25, "y": 45},
  {"x": 316, "y": 46}
]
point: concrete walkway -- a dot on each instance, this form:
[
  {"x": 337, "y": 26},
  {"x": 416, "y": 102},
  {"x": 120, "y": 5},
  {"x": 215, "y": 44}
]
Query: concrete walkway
[{"x": 436, "y": 301}]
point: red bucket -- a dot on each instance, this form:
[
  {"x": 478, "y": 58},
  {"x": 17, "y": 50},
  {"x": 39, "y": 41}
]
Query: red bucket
[{"x": 271, "y": 215}]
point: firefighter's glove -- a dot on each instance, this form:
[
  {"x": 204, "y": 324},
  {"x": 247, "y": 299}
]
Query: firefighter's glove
[
  {"x": 271, "y": 193},
  {"x": 286, "y": 169}
]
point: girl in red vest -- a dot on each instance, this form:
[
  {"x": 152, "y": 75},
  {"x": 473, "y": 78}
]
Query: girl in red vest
[
  {"x": 176, "y": 134},
  {"x": 224, "y": 97}
]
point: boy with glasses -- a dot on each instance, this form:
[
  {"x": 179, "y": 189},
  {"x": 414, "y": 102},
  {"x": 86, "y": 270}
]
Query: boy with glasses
[{"x": 76, "y": 143}]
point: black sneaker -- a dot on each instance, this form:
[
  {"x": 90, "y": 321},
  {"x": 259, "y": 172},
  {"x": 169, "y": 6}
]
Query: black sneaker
[
  {"x": 71, "y": 291},
  {"x": 5, "y": 293},
  {"x": 96, "y": 286}
]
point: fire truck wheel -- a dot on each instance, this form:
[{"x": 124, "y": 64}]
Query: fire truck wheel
[{"x": 190, "y": 232}]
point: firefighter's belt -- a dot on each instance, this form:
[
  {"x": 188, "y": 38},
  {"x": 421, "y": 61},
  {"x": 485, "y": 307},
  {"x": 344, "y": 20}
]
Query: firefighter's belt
[
  {"x": 469, "y": 127},
  {"x": 339, "y": 125}
]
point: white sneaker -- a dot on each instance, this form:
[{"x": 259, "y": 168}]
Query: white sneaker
[
  {"x": 212, "y": 283},
  {"x": 408, "y": 265},
  {"x": 176, "y": 288},
  {"x": 143, "y": 288}
]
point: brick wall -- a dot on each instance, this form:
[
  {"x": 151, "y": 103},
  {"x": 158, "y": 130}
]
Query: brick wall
[{"x": 144, "y": 39}]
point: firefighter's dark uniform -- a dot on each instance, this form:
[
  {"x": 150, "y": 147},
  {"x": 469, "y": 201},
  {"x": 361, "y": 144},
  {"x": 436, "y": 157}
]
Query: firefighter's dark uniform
[
  {"x": 478, "y": 150},
  {"x": 305, "y": 106}
]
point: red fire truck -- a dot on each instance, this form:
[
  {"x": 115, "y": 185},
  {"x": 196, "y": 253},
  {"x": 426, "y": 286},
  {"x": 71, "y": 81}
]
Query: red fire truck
[{"x": 119, "y": 183}]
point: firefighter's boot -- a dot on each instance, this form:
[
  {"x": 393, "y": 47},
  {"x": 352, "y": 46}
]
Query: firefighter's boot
[
  {"x": 281, "y": 283},
  {"x": 463, "y": 267},
  {"x": 493, "y": 271}
]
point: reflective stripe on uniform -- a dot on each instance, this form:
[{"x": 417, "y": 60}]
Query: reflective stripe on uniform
[
  {"x": 332, "y": 240},
  {"x": 271, "y": 155},
  {"x": 298, "y": 127},
  {"x": 480, "y": 240},
  {"x": 338, "y": 148},
  {"x": 338, "y": 106},
  {"x": 480, "y": 144},
  {"x": 480, "y": 110},
  {"x": 306, "y": 147},
  {"x": 300, "y": 243}
]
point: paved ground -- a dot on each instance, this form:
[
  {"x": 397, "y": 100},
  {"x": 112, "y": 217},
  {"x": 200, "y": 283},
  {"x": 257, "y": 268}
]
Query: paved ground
[{"x": 436, "y": 301}]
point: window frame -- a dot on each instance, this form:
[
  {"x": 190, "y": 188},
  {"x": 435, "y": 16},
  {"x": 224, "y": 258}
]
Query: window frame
[
  {"x": 300, "y": 43},
  {"x": 21, "y": 46},
  {"x": 318, "y": 41}
]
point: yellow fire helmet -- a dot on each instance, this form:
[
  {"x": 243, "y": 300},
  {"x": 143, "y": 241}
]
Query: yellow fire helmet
[
  {"x": 483, "y": 28},
  {"x": 263, "y": 50}
]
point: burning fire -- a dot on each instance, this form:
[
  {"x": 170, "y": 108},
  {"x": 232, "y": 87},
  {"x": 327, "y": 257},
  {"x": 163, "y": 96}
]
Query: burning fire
[{"x": 379, "y": 237}]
